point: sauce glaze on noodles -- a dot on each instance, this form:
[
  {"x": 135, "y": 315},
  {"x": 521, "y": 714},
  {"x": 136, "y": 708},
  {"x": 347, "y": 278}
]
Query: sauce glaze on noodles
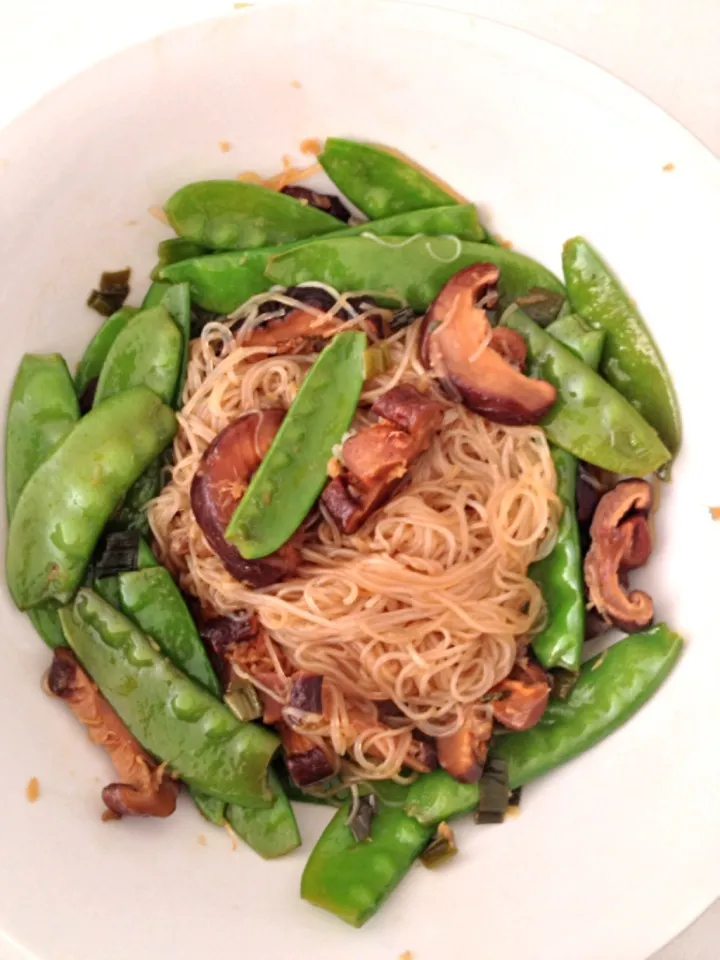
[{"x": 428, "y": 604}]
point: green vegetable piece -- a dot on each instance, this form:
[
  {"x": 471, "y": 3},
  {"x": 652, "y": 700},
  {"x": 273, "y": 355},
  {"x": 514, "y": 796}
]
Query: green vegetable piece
[
  {"x": 379, "y": 182},
  {"x": 610, "y": 689},
  {"x": 132, "y": 515},
  {"x": 586, "y": 343},
  {"x": 177, "y": 303},
  {"x": 294, "y": 470},
  {"x": 494, "y": 792},
  {"x": 109, "y": 589},
  {"x": 172, "y": 716},
  {"x": 46, "y": 621},
  {"x": 212, "y": 808},
  {"x": 173, "y": 251},
  {"x": 223, "y": 281},
  {"x": 68, "y": 500},
  {"x": 589, "y": 419},
  {"x": 149, "y": 351},
  {"x": 230, "y": 215},
  {"x": 631, "y": 361},
  {"x": 296, "y": 793},
  {"x": 43, "y": 410},
  {"x": 351, "y": 879},
  {"x": 145, "y": 557},
  {"x": 155, "y": 294},
  {"x": 97, "y": 350},
  {"x": 560, "y": 574},
  {"x": 437, "y": 796},
  {"x": 272, "y": 832},
  {"x": 413, "y": 269},
  {"x": 151, "y": 598}
]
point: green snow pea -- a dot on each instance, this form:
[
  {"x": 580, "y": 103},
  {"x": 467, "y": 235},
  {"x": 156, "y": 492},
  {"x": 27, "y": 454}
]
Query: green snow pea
[
  {"x": 223, "y": 281},
  {"x": 97, "y": 350},
  {"x": 212, "y": 808},
  {"x": 172, "y": 716},
  {"x": 351, "y": 879},
  {"x": 631, "y": 360},
  {"x": 132, "y": 515},
  {"x": 43, "y": 410},
  {"x": 177, "y": 303},
  {"x": 174, "y": 250},
  {"x": 155, "y": 294},
  {"x": 589, "y": 419},
  {"x": 148, "y": 351},
  {"x": 437, "y": 796},
  {"x": 271, "y": 832},
  {"x": 378, "y": 181},
  {"x": 151, "y": 598},
  {"x": 294, "y": 470},
  {"x": 46, "y": 621},
  {"x": 414, "y": 269},
  {"x": 610, "y": 689},
  {"x": 230, "y": 215},
  {"x": 70, "y": 497},
  {"x": 560, "y": 574}
]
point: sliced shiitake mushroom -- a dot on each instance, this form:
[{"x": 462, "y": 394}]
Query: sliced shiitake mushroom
[
  {"x": 321, "y": 201},
  {"x": 525, "y": 695},
  {"x": 463, "y": 753},
  {"x": 455, "y": 335},
  {"x": 145, "y": 791},
  {"x": 220, "y": 482},
  {"x": 620, "y": 541}
]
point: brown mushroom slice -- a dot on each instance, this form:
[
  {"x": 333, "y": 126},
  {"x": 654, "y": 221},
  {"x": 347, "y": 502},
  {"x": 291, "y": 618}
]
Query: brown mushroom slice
[
  {"x": 454, "y": 339},
  {"x": 412, "y": 411},
  {"x": 219, "y": 483},
  {"x": 307, "y": 762},
  {"x": 326, "y": 202},
  {"x": 510, "y": 345},
  {"x": 146, "y": 790},
  {"x": 639, "y": 548},
  {"x": 614, "y": 536},
  {"x": 525, "y": 696},
  {"x": 295, "y": 327},
  {"x": 463, "y": 753}
]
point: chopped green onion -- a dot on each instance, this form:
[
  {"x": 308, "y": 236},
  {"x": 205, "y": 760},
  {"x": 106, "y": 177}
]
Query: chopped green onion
[
  {"x": 243, "y": 700},
  {"x": 541, "y": 305},
  {"x": 440, "y": 849},
  {"x": 361, "y": 817},
  {"x": 563, "y": 683},
  {"x": 118, "y": 554},
  {"x": 494, "y": 792}
]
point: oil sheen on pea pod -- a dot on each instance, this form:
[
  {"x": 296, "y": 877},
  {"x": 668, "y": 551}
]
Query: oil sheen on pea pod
[
  {"x": 152, "y": 600},
  {"x": 589, "y": 419},
  {"x": 631, "y": 360},
  {"x": 172, "y": 716},
  {"x": 611, "y": 687},
  {"x": 379, "y": 181},
  {"x": 560, "y": 574},
  {"x": 43, "y": 410},
  {"x": 271, "y": 832},
  {"x": 230, "y": 215},
  {"x": 353, "y": 880},
  {"x": 294, "y": 470},
  {"x": 148, "y": 352},
  {"x": 222, "y": 281},
  {"x": 96, "y": 351},
  {"x": 67, "y": 502},
  {"x": 413, "y": 269}
]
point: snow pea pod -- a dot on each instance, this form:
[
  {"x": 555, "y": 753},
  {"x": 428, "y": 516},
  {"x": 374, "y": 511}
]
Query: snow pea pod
[
  {"x": 351, "y": 879},
  {"x": 560, "y": 574},
  {"x": 155, "y": 294},
  {"x": 212, "y": 808},
  {"x": 414, "y": 269},
  {"x": 132, "y": 515},
  {"x": 631, "y": 360},
  {"x": 378, "y": 181},
  {"x": 149, "y": 352},
  {"x": 172, "y": 716},
  {"x": 589, "y": 419},
  {"x": 71, "y": 496},
  {"x": 174, "y": 250},
  {"x": 271, "y": 832},
  {"x": 294, "y": 470},
  {"x": 151, "y": 598},
  {"x": 437, "y": 796},
  {"x": 97, "y": 350},
  {"x": 230, "y": 215},
  {"x": 610, "y": 689},
  {"x": 43, "y": 410},
  {"x": 223, "y": 281},
  {"x": 177, "y": 303}
]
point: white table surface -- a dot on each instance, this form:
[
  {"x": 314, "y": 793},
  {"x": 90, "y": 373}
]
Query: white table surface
[{"x": 668, "y": 50}]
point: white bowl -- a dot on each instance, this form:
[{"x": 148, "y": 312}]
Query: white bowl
[{"x": 615, "y": 853}]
